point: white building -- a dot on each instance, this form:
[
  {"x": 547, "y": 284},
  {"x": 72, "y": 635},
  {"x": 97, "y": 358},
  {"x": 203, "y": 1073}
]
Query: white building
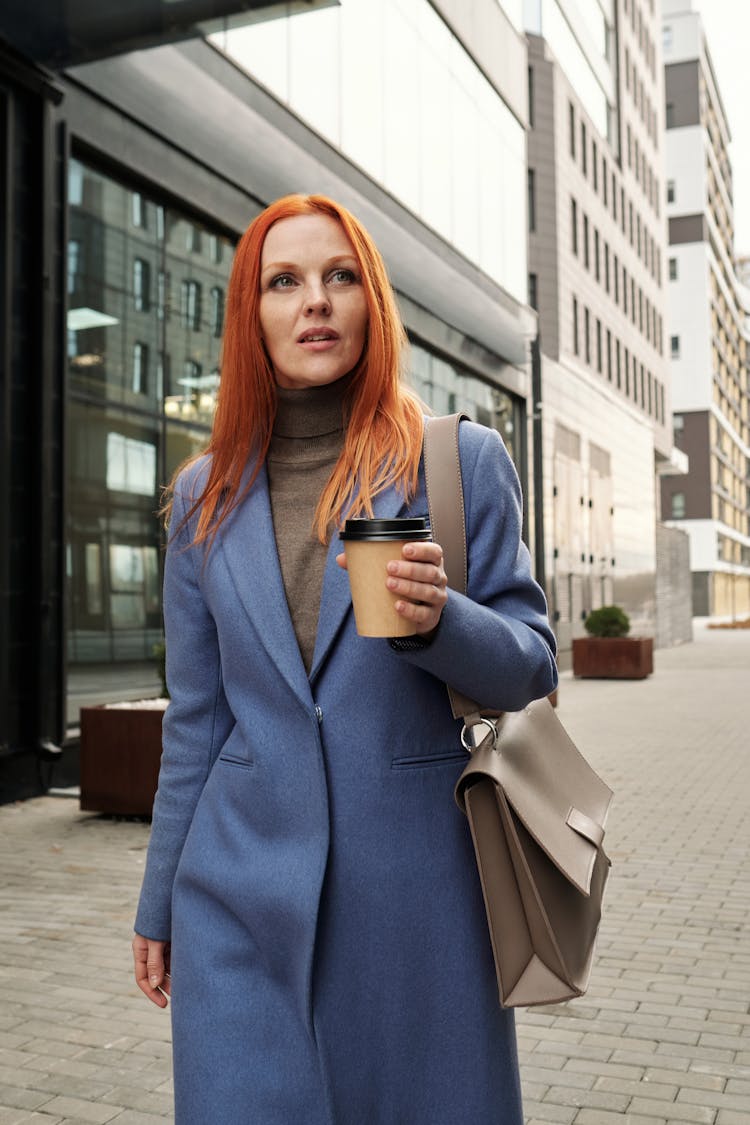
[{"x": 708, "y": 326}]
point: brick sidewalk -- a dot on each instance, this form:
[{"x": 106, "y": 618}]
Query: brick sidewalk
[{"x": 662, "y": 1038}]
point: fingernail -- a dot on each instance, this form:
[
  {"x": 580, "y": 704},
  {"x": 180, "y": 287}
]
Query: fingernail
[
  {"x": 408, "y": 551},
  {"x": 392, "y": 567},
  {"x": 392, "y": 583},
  {"x": 154, "y": 980}
]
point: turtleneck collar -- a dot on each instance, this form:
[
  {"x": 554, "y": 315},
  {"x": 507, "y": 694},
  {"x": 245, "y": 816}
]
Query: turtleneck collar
[{"x": 311, "y": 411}]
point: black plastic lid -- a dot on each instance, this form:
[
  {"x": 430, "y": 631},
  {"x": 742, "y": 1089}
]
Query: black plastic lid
[{"x": 382, "y": 530}]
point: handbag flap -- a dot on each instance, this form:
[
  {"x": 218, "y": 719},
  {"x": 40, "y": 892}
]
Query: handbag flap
[{"x": 549, "y": 785}]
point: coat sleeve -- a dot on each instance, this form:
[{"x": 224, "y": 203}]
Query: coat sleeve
[
  {"x": 197, "y": 721},
  {"x": 495, "y": 643}
]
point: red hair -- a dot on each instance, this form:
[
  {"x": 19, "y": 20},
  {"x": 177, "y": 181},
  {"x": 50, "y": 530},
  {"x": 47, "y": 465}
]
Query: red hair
[{"x": 383, "y": 439}]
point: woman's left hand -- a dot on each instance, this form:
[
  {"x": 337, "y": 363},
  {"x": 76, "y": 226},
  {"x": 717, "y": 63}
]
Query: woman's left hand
[{"x": 419, "y": 581}]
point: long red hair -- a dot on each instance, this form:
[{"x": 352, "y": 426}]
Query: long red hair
[{"x": 383, "y": 439}]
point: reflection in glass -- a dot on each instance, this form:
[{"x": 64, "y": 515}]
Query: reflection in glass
[
  {"x": 447, "y": 387},
  {"x": 131, "y": 465}
]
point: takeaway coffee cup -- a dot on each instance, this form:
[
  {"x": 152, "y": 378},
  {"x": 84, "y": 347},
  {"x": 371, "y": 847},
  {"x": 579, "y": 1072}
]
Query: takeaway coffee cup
[{"x": 369, "y": 545}]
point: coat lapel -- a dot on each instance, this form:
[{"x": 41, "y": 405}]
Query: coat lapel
[
  {"x": 335, "y": 601},
  {"x": 251, "y": 557}
]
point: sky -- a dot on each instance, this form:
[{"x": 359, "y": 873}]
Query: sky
[{"x": 726, "y": 24}]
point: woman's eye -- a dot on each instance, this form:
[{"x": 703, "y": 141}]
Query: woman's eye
[
  {"x": 283, "y": 281},
  {"x": 343, "y": 277}
]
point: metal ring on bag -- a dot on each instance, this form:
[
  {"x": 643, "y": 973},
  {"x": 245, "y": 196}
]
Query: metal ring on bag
[{"x": 470, "y": 746}]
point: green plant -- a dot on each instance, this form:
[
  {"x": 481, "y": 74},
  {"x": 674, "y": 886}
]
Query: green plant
[
  {"x": 160, "y": 655},
  {"x": 609, "y": 621}
]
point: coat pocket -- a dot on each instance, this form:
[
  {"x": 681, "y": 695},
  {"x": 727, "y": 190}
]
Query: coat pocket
[
  {"x": 424, "y": 761},
  {"x": 235, "y": 760}
]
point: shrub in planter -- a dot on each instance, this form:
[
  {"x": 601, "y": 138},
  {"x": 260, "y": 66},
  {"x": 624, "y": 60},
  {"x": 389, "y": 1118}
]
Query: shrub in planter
[
  {"x": 609, "y": 621},
  {"x": 608, "y": 652}
]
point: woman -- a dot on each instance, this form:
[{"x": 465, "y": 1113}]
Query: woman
[{"x": 310, "y": 884}]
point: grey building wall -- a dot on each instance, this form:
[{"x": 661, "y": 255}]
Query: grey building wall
[
  {"x": 693, "y": 438},
  {"x": 682, "y": 94},
  {"x": 674, "y": 594}
]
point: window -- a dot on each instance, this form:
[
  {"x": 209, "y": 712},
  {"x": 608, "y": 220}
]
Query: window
[
  {"x": 216, "y": 249},
  {"x": 606, "y": 267},
  {"x": 678, "y": 506},
  {"x": 595, "y": 165},
  {"x": 614, "y": 197},
  {"x": 674, "y": 346},
  {"x": 598, "y": 345},
  {"x": 618, "y": 363},
  {"x": 596, "y": 254},
  {"x": 162, "y": 295},
  {"x": 575, "y": 327},
  {"x": 572, "y": 129},
  {"x": 666, "y": 37},
  {"x": 191, "y": 304},
  {"x": 141, "y": 285},
  {"x": 531, "y": 96},
  {"x": 138, "y": 210},
  {"x": 533, "y": 296},
  {"x": 609, "y": 355},
  {"x": 574, "y": 226},
  {"x": 673, "y": 269},
  {"x": 139, "y": 383},
  {"x": 217, "y": 311},
  {"x": 74, "y": 264},
  {"x": 587, "y": 334},
  {"x": 531, "y": 180},
  {"x": 194, "y": 239},
  {"x": 616, "y": 276},
  {"x": 671, "y": 191},
  {"x": 624, "y": 290},
  {"x": 584, "y": 152},
  {"x": 605, "y": 181},
  {"x": 586, "y": 241}
]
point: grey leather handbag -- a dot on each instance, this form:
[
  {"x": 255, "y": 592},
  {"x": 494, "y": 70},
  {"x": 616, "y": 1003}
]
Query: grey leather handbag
[{"x": 535, "y": 807}]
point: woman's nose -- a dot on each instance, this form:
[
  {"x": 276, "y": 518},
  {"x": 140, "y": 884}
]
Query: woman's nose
[{"x": 316, "y": 301}]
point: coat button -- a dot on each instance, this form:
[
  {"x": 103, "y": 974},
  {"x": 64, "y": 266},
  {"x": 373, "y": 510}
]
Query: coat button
[{"x": 318, "y": 713}]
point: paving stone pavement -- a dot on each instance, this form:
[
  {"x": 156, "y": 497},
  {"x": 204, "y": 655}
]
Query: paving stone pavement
[{"x": 661, "y": 1038}]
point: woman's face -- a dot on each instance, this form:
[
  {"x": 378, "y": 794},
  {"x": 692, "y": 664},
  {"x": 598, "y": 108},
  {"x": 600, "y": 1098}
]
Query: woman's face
[{"x": 313, "y": 312}]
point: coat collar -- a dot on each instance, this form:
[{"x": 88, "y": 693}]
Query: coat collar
[{"x": 250, "y": 553}]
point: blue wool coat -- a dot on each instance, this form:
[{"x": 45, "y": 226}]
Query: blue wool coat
[{"x": 330, "y": 957}]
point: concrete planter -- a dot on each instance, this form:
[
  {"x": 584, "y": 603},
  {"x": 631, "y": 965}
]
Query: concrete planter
[
  {"x": 613, "y": 658},
  {"x": 120, "y": 756}
]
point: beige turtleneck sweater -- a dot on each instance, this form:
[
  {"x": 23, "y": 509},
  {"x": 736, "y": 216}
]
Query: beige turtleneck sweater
[{"x": 307, "y": 439}]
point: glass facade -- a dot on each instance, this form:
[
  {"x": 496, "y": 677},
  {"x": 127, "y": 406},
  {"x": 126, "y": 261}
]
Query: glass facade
[
  {"x": 447, "y": 387},
  {"x": 390, "y": 86},
  {"x": 145, "y": 290}
]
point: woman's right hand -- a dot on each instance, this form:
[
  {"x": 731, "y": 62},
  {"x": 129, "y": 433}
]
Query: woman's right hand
[{"x": 151, "y": 964}]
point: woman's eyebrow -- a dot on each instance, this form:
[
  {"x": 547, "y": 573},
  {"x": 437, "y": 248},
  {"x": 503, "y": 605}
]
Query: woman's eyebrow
[
  {"x": 280, "y": 266},
  {"x": 337, "y": 259}
]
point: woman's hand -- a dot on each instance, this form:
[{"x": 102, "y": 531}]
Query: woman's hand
[
  {"x": 151, "y": 963},
  {"x": 419, "y": 581}
]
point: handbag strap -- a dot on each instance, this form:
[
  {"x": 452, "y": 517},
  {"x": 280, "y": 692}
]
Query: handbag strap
[{"x": 445, "y": 502}]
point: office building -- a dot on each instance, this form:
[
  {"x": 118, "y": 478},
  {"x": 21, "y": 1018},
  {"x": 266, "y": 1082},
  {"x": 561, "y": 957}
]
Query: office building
[
  {"x": 597, "y": 261},
  {"x": 709, "y": 305}
]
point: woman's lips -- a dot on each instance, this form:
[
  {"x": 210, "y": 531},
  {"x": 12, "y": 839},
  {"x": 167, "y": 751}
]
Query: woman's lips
[{"x": 318, "y": 341}]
